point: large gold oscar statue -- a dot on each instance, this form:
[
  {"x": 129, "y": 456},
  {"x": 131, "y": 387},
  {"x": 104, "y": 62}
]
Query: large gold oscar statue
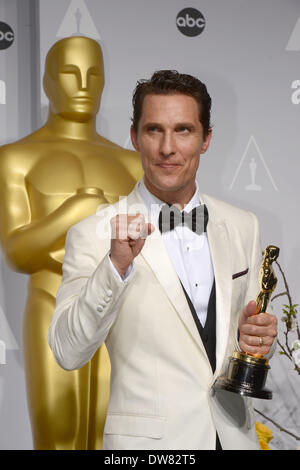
[{"x": 49, "y": 181}]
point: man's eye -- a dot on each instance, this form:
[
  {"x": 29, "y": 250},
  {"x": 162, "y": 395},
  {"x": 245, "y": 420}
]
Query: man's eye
[
  {"x": 182, "y": 129},
  {"x": 153, "y": 129}
]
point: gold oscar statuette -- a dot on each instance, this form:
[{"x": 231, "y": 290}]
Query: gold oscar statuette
[{"x": 247, "y": 373}]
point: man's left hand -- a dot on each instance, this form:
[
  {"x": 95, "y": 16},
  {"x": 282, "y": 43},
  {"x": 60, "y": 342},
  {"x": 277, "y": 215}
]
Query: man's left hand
[{"x": 257, "y": 331}]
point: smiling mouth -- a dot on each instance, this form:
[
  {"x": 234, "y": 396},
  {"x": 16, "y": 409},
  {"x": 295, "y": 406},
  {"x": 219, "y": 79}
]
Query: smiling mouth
[{"x": 168, "y": 165}]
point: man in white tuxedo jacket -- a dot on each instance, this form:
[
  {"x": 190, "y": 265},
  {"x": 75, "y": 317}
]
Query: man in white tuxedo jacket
[{"x": 149, "y": 293}]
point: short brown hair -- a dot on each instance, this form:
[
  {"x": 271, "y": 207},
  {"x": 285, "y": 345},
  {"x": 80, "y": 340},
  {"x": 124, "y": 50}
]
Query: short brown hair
[{"x": 167, "y": 82}]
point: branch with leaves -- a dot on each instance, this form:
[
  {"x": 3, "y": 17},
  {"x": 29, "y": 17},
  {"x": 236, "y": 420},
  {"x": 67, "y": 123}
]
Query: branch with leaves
[
  {"x": 277, "y": 425},
  {"x": 289, "y": 347}
]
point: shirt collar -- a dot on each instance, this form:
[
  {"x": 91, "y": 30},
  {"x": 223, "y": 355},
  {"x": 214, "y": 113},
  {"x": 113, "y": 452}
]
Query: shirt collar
[{"x": 154, "y": 204}]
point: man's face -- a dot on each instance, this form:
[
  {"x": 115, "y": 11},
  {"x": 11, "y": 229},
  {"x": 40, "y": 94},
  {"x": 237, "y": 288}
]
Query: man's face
[
  {"x": 77, "y": 79},
  {"x": 170, "y": 140}
]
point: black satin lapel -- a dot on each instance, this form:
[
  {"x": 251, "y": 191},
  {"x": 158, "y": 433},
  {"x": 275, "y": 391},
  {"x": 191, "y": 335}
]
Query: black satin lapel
[{"x": 210, "y": 328}]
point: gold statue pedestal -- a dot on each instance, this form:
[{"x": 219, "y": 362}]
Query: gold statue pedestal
[{"x": 246, "y": 375}]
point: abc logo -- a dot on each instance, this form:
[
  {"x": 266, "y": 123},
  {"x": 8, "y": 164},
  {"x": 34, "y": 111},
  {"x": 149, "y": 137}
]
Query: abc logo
[
  {"x": 6, "y": 35},
  {"x": 190, "y": 22}
]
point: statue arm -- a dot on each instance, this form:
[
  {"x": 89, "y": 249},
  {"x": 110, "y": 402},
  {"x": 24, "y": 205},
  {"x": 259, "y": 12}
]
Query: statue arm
[{"x": 27, "y": 242}]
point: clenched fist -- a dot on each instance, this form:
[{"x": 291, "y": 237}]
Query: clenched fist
[
  {"x": 129, "y": 233},
  {"x": 257, "y": 331}
]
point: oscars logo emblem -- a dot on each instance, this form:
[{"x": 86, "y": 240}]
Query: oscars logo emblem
[
  {"x": 253, "y": 162},
  {"x": 253, "y": 186}
]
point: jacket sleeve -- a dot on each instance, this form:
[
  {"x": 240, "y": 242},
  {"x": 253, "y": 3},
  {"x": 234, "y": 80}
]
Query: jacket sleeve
[{"x": 86, "y": 303}]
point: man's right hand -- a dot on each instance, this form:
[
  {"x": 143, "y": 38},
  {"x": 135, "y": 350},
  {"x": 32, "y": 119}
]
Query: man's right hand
[{"x": 129, "y": 233}]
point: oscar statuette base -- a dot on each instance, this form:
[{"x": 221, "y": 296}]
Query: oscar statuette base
[{"x": 246, "y": 376}]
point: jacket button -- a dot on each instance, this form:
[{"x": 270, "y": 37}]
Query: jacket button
[{"x": 100, "y": 309}]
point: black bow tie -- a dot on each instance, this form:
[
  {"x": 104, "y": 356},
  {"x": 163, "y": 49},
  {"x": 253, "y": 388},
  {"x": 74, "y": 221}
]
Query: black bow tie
[{"x": 170, "y": 217}]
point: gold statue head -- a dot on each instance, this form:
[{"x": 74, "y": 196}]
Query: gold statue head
[
  {"x": 272, "y": 253},
  {"x": 74, "y": 78}
]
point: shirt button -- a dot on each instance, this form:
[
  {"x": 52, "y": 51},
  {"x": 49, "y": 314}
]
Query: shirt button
[{"x": 205, "y": 338}]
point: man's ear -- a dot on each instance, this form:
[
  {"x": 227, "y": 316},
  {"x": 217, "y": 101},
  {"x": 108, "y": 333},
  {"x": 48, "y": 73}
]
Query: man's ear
[
  {"x": 134, "y": 139},
  {"x": 206, "y": 141}
]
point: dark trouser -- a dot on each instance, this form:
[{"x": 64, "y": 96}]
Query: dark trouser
[{"x": 218, "y": 443}]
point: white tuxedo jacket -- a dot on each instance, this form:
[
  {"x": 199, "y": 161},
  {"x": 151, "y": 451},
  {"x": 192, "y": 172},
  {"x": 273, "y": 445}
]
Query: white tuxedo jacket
[{"x": 161, "y": 380}]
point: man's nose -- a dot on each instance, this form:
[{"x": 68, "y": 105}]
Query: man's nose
[{"x": 167, "y": 146}]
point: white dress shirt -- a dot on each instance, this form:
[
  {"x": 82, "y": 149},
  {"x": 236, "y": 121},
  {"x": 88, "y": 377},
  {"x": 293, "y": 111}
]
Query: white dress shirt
[{"x": 188, "y": 251}]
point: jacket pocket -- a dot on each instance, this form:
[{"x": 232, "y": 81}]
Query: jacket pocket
[
  {"x": 135, "y": 425},
  {"x": 241, "y": 273}
]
